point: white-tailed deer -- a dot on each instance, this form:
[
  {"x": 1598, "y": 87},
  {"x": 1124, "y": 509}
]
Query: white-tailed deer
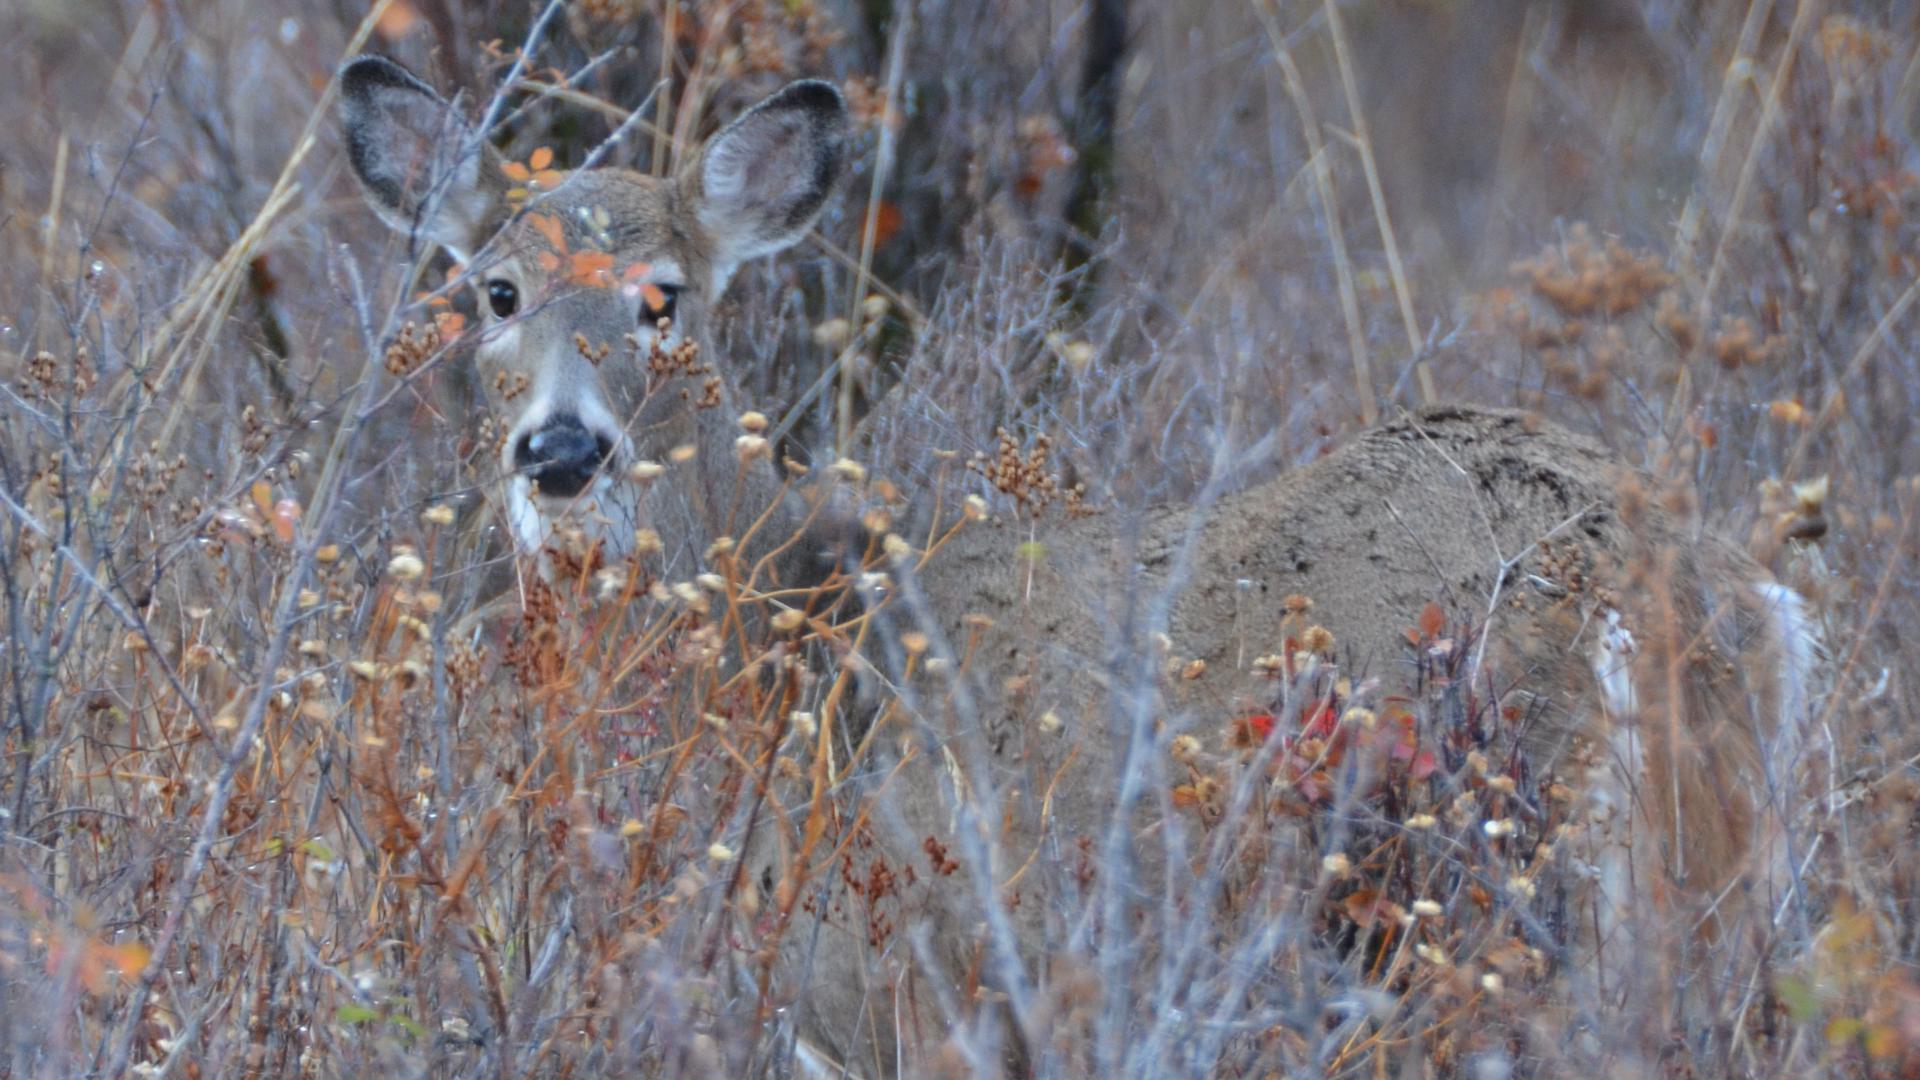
[
  {"x": 575, "y": 286},
  {"x": 1026, "y": 771}
]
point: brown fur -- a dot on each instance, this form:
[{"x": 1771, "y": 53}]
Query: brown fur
[{"x": 1428, "y": 508}]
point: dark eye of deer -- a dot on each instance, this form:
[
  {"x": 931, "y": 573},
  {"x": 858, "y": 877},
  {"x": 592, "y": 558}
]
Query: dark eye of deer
[
  {"x": 503, "y": 297},
  {"x": 658, "y": 302}
]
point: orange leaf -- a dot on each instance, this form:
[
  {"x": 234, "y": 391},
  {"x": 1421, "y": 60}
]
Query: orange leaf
[
  {"x": 548, "y": 179},
  {"x": 591, "y": 268},
  {"x": 286, "y": 516},
  {"x": 1432, "y": 620},
  {"x": 397, "y": 20},
  {"x": 517, "y": 172},
  {"x": 887, "y": 220},
  {"x": 450, "y": 323},
  {"x": 263, "y": 498},
  {"x": 635, "y": 272},
  {"x": 129, "y": 957},
  {"x": 540, "y": 159},
  {"x": 1366, "y": 907},
  {"x": 549, "y": 227}
]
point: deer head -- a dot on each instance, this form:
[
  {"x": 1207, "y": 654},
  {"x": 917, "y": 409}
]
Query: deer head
[{"x": 592, "y": 287}]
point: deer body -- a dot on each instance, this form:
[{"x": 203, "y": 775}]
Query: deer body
[
  {"x": 1655, "y": 670},
  {"x": 1662, "y": 667}
]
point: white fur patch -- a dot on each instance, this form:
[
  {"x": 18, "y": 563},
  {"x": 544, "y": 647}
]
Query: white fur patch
[
  {"x": 1609, "y": 792},
  {"x": 1613, "y": 655},
  {"x": 1799, "y": 643},
  {"x": 531, "y": 529}
]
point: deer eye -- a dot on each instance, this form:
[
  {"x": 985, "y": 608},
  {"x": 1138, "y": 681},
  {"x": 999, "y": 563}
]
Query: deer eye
[
  {"x": 658, "y": 302},
  {"x": 503, "y": 297}
]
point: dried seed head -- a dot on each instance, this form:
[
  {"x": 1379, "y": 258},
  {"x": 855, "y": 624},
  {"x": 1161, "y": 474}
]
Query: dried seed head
[
  {"x": 832, "y": 334},
  {"x": 720, "y": 548},
  {"x": 896, "y": 548},
  {"x": 875, "y": 307},
  {"x": 1185, "y": 749},
  {"x": 1811, "y": 496},
  {"x": 1426, "y": 909},
  {"x": 720, "y": 853},
  {"x": 683, "y": 453},
  {"x": 610, "y": 583},
  {"x": 440, "y": 514},
  {"x": 643, "y": 471},
  {"x": 1422, "y": 821},
  {"x": 1497, "y": 827},
  {"x": 1317, "y": 640},
  {"x": 712, "y": 582},
  {"x": 803, "y": 723},
  {"x": 405, "y": 565},
  {"x": 752, "y": 448},
  {"x": 753, "y": 423},
  {"x": 976, "y": 508},
  {"x": 1050, "y": 723},
  {"x": 849, "y": 470},
  {"x": 914, "y": 642},
  {"x": 789, "y": 620},
  {"x": 646, "y": 541},
  {"x": 1336, "y": 864}
]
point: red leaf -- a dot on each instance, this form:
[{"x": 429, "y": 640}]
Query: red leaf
[
  {"x": 1423, "y": 765},
  {"x": 1432, "y": 620}
]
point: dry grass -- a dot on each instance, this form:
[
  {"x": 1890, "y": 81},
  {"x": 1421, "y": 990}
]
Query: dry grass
[{"x": 301, "y": 774}]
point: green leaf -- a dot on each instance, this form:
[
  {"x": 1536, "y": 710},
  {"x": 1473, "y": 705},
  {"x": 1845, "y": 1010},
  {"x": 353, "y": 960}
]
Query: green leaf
[
  {"x": 1842, "y": 1029},
  {"x": 407, "y": 1024},
  {"x": 1798, "y": 996},
  {"x": 317, "y": 850},
  {"x": 354, "y": 1014}
]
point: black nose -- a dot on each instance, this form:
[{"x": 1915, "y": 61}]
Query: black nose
[{"x": 561, "y": 456}]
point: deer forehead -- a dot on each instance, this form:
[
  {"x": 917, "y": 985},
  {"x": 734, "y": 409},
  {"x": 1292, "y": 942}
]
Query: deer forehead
[{"x": 609, "y": 229}]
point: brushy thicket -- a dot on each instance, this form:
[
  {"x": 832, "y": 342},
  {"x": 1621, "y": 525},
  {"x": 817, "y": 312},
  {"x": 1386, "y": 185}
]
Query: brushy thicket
[{"x": 287, "y": 786}]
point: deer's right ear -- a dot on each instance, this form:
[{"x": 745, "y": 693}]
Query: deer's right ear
[{"x": 425, "y": 170}]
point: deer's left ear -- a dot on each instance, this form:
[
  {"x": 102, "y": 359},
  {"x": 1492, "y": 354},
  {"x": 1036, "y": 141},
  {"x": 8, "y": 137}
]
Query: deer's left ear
[
  {"x": 423, "y": 167},
  {"x": 764, "y": 179}
]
